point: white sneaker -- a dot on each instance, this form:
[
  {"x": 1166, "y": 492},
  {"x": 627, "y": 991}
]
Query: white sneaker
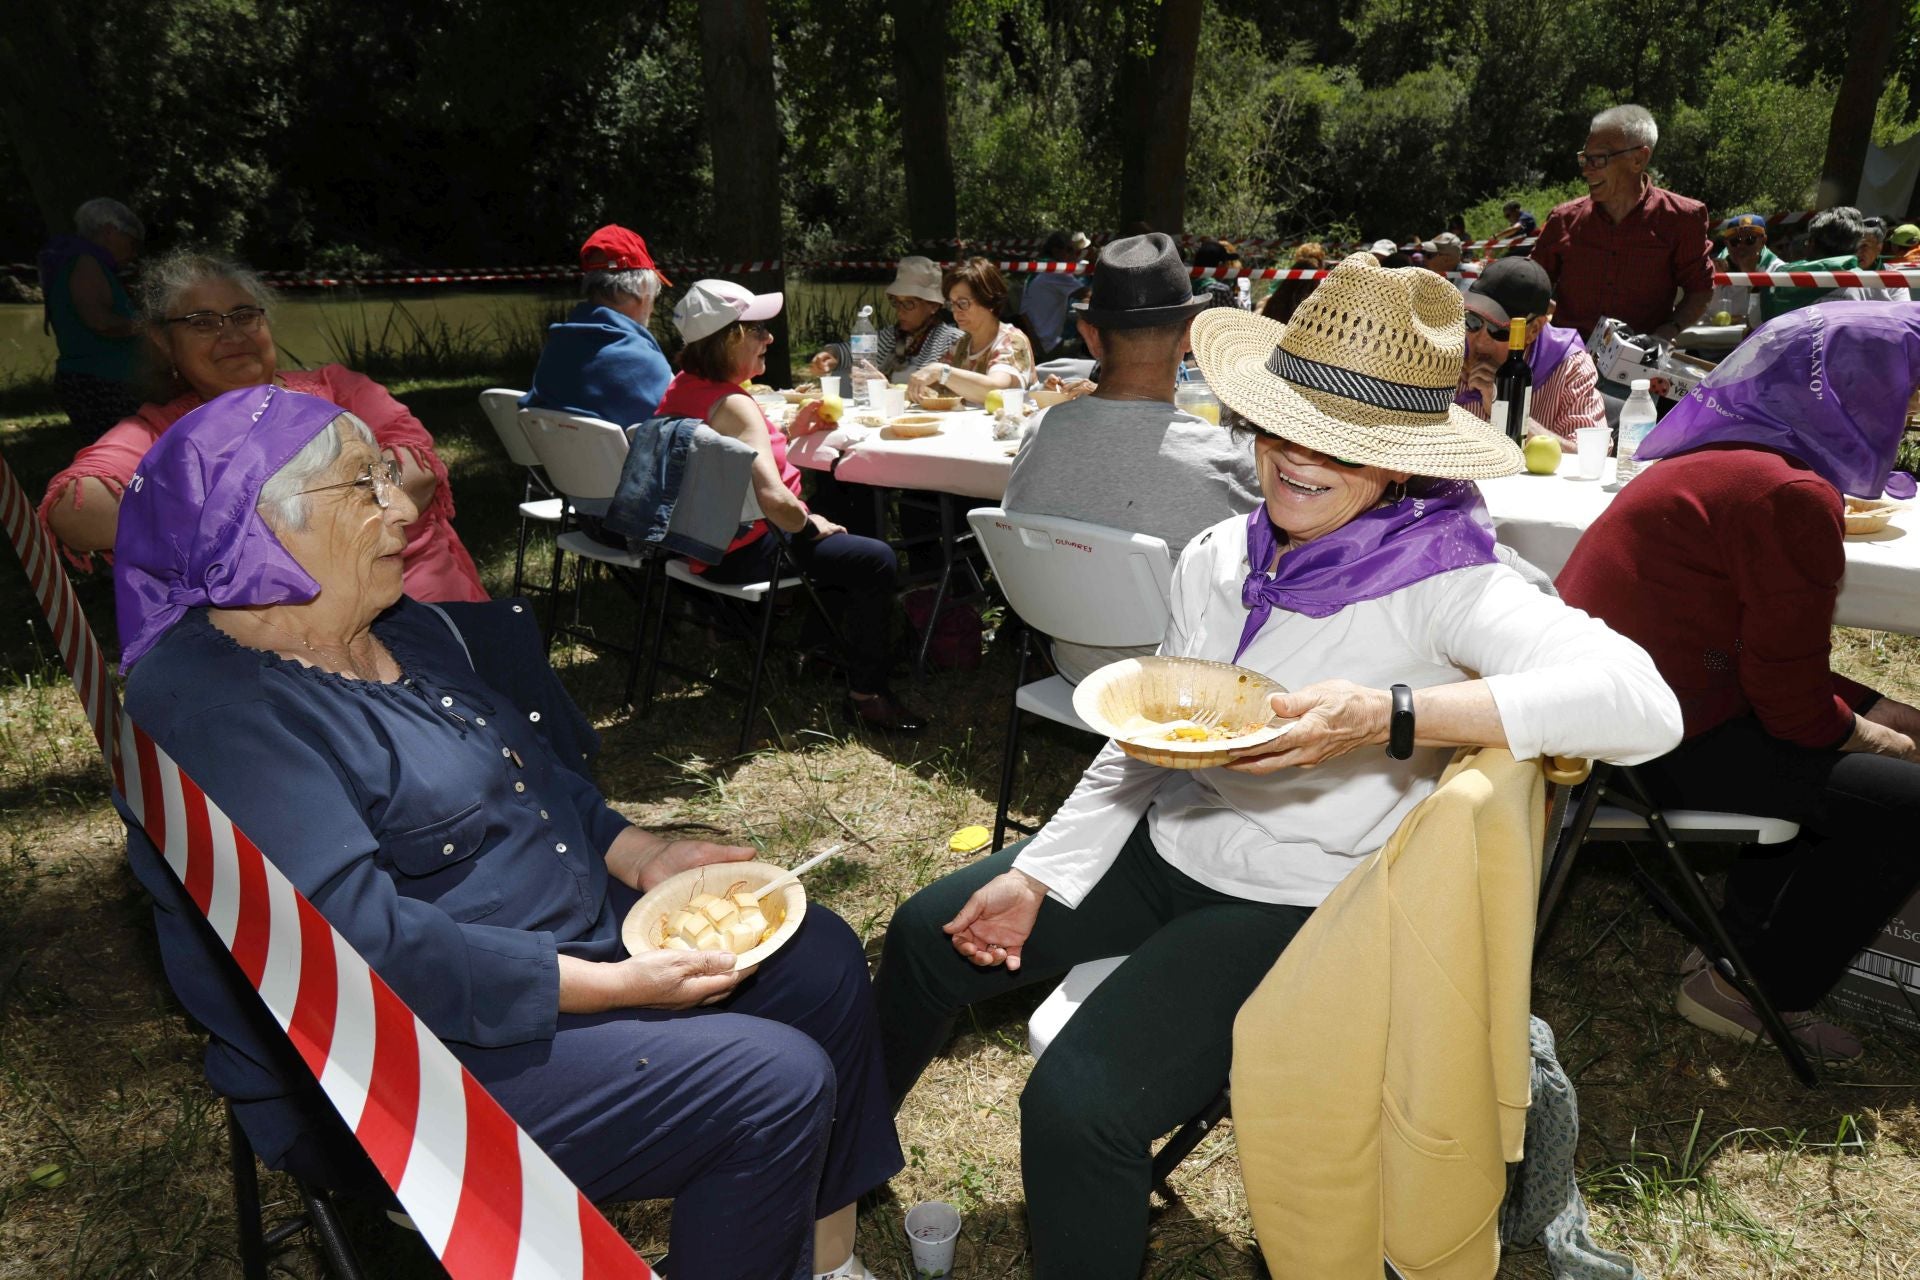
[{"x": 851, "y": 1269}]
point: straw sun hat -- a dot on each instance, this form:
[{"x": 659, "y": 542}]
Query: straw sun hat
[{"x": 1366, "y": 371}]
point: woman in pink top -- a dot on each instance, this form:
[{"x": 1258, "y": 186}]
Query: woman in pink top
[
  {"x": 207, "y": 317},
  {"x": 725, "y": 330}
]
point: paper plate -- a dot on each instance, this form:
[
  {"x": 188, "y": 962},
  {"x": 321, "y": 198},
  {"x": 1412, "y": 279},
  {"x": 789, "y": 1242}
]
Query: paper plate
[
  {"x": 645, "y": 926},
  {"x": 1166, "y": 689},
  {"x": 912, "y": 426}
]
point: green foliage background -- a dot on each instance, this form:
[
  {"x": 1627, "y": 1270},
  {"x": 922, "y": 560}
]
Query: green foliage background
[{"x": 335, "y": 132}]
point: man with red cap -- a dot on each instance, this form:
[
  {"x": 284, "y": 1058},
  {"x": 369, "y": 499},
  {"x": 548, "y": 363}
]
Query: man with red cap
[{"x": 602, "y": 361}]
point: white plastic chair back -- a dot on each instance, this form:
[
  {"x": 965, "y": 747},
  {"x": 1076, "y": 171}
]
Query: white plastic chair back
[
  {"x": 582, "y": 456},
  {"x": 1078, "y": 582},
  {"x": 502, "y": 408}
]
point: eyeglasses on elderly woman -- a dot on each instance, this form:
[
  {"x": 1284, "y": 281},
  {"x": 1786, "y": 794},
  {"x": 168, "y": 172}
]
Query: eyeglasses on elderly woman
[
  {"x": 379, "y": 479},
  {"x": 208, "y": 324}
]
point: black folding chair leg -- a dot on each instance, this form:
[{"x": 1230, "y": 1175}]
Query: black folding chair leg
[
  {"x": 1010, "y": 757},
  {"x": 553, "y": 585},
  {"x": 1725, "y": 955},
  {"x": 246, "y": 1201},
  {"x": 329, "y": 1234},
  {"x": 767, "y": 610},
  {"x": 1186, "y": 1138}
]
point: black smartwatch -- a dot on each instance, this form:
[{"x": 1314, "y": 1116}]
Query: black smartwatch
[{"x": 1400, "y": 727}]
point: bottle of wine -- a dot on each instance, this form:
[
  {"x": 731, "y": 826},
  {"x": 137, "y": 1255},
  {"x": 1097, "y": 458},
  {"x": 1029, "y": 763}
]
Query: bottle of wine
[{"x": 1513, "y": 385}]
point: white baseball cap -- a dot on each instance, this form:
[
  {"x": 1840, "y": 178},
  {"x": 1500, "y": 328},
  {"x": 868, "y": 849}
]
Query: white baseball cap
[
  {"x": 1383, "y": 249},
  {"x": 709, "y": 306}
]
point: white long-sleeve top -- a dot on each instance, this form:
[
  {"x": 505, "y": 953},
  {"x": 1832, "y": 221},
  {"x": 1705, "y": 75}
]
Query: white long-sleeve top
[{"x": 1563, "y": 682}]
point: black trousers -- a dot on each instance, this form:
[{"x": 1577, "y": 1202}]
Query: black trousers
[
  {"x": 857, "y": 578},
  {"x": 1800, "y": 911}
]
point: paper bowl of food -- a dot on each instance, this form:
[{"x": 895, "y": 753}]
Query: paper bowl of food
[
  {"x": 1180, "y": 713},
  {"x": 912, "y": 426},
  {"x": 1043, "y": 399},
  {"x": 940, "y": 404},
  {"x": 802, "y": 393},
  {"x": 710, "y": 909},
  {"x": 1869, "y": 515}
]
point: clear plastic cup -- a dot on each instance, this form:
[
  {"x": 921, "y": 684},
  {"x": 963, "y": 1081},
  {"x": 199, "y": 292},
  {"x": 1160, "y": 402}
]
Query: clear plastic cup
[
  {"x": 833, "y": 385},
  {"x": 1197, "y": 398},
  {"x": 1591, "y": 444},
  {"x": 933, "y": 1227}
]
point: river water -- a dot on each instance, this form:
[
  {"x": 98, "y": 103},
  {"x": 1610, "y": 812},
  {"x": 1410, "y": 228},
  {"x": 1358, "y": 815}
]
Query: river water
[{"x": 309, "y": 324}]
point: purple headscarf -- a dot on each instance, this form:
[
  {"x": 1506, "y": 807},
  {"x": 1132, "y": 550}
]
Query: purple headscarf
[
  {"x": 189, "y": 534},
  {"x": 1827, "y": 385},
  {"x": 1441, "y": 525}
]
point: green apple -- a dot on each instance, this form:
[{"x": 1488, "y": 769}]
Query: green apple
[{"x": 1543, "y": 454}]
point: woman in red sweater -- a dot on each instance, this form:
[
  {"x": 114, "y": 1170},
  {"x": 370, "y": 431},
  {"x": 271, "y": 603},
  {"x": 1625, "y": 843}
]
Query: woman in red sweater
[{"x": 1724, "y": 563}]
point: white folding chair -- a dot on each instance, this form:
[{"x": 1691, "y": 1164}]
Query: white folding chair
[
  {"x": 582, "y": 458},
  {"x": 1631, "y": 816},
  {"x": 538, "y": 503},
  {"x": 764, "y": 595},
  {"x": 1073, "y": 581}
]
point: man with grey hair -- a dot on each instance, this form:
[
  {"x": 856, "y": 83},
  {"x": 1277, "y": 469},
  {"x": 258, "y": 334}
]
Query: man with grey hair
[
  {"x": 1627, "y": 249},
  {"x": 602, "y": 361},
  {"x": 1443, "y": 253},
  {"x": 93, "y": 319}
]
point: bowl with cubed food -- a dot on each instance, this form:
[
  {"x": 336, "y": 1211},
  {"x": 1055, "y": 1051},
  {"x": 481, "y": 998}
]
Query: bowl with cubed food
[
  {"x": 1180, "y": 713},
  {"x": 712, "y": 908}
]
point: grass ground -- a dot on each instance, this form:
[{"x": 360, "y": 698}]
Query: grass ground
[{"x": 1702, "y": 1158}]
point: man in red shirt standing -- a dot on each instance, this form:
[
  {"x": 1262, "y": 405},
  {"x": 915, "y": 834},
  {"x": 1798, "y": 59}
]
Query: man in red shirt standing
[{"x": 1625, "y": 249}]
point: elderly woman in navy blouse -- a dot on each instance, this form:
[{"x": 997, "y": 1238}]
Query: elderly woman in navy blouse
[{"x": 418, "y": 774}]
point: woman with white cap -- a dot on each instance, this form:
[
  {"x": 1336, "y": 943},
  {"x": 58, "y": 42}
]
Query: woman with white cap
[
  {"x": 920, "y": 332},
  {"x": 725, "y": 329},
  {"x": 1367, "y": 583}
]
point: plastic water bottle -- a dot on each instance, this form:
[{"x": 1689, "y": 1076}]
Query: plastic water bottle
[
  {"x": 1243, "y": 288},
  {"x": 865, "y": 351},
  {"x": 1636, "y": 420}
]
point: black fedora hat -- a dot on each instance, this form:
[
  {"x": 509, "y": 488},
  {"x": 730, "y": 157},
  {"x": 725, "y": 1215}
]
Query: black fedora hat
[{"x": 1141, "y": 281}]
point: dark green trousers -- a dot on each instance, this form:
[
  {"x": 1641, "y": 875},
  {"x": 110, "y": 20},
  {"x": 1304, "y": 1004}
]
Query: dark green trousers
[{"x": 1145, "y": 1053}]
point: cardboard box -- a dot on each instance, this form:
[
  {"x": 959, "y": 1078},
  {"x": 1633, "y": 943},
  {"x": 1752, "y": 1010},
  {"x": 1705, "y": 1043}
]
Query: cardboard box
[
  {"x": 1882, "y": 984},
  {"x": 1622, "y": 356}
]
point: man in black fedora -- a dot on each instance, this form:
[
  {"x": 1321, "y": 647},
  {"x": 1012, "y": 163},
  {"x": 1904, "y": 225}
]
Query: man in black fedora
[{"x": 1124, "y": 456}]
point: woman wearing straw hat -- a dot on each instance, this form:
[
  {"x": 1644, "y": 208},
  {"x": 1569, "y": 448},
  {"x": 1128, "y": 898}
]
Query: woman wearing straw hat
[{"x": 1368, "y": 584}]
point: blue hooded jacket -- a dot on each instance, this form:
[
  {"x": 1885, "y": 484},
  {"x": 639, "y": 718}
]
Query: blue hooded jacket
[{"x": 600, "y": 364}]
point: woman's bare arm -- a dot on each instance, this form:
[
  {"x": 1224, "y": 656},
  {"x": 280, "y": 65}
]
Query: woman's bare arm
[{"x": 86, "y": 516}]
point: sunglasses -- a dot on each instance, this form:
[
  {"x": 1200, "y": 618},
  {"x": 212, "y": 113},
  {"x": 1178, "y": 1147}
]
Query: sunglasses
[{"x": 1476, "y": 322}]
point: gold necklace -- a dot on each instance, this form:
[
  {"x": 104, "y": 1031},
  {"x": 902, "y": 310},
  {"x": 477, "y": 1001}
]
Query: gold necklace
[{"x": 351, "y": 664}]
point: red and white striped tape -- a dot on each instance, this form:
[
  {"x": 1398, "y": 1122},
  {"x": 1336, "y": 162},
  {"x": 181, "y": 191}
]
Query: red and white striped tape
[
  {"x": 1818, "y": 279},
  {"x": 488, "y": 1200}
]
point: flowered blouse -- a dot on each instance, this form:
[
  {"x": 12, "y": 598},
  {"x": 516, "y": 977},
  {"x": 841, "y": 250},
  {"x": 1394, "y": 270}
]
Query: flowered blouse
[{"x": 1009, "y": 349}]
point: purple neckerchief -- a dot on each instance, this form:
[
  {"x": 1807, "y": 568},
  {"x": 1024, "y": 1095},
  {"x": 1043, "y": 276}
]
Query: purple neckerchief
[
  {"x": 1826, "y": 384},
  {"x": 189, "y": 532},
  {"x": 1441, "y": 525},
  {"x": 1546, "y": 353},
  {"x": 55, "y": 255}
]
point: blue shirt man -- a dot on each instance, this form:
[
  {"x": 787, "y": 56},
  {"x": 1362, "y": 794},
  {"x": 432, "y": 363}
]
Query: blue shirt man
[{"x": 602, "y": 361}]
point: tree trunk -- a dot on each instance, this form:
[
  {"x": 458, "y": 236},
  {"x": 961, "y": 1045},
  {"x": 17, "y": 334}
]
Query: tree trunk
[
  {"x": 920, "y": 71},
  {"x": 1156, "y": 99},
  {"x": 50, "y": 117},
  {"x": 736, "y": 61},
  {"x": 1873, "y": 23}
]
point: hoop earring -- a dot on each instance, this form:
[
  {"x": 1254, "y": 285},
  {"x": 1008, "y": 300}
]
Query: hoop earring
[{"x": 1396, "y": 492}]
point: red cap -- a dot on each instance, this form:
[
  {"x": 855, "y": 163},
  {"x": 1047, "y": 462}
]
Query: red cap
[{"x": 614, "y": 248}]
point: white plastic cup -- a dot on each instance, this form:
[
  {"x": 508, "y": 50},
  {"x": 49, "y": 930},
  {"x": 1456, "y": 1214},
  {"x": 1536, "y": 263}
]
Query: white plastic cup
[
  {"x": 933, "y": 1226},
  {"x": 893, "y": 400},
  {"x": 1591, "y": 443},
  {"x": 834, "y": 385}
]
